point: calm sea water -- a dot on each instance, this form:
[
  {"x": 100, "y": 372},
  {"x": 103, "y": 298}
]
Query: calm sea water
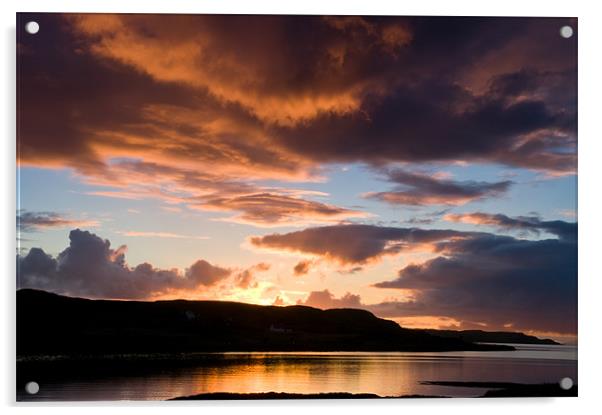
[{"x": 385, "y": 374}]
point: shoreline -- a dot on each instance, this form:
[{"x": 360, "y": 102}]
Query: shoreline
[{"x": 200, "y": 355}]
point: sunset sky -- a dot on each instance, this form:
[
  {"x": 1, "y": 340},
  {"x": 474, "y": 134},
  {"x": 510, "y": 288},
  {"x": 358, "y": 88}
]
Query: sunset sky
[{"x": 422, "y": 168}]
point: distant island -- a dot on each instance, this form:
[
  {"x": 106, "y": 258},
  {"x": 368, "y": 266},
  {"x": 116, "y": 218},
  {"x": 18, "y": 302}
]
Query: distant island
[
  {"x": 494, "y": 390},
  {"x": 233, "y": 396},
  {"x": 51, "y": 324},
  {"x": 481, "y": 336}
]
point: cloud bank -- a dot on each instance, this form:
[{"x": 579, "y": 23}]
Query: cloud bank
[
  {"x": 89, "y": 267},
  {"x": 479, "y": 279},
  {"x": 499, "y": 281},
  {"x": 244, "y": 98}
]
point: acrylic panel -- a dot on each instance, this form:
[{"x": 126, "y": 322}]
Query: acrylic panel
[{"x": 292, "y": 207}]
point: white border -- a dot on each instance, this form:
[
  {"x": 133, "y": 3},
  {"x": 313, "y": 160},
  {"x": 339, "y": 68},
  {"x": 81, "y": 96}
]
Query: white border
[{"x": 589, "y": 194}]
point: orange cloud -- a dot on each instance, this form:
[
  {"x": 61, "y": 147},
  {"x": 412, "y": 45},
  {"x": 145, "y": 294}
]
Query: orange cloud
[
  {"x": 325, "y": 300},
  {"x": 258, "y": 206},
  {"x": 202, "y": 53},
  {"x": 268, "y": 209},
  {"x": 246, "y": 278},
  {"x": 302, "y": 268},
  {"x": 239, "y": 98},
  {"x": 192, "y": 110}
]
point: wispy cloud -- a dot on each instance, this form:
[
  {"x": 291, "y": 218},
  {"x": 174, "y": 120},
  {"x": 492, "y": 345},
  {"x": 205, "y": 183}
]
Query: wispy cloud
[
  {"x": 39, "y": 221},
  {"x": 151, "y": 234},
  {"x": 530, "y": 224},
  {"x": 269, "y": 210},
  {"x": 419, "y": 189}
]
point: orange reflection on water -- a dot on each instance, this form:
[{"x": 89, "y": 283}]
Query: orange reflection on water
[
  {"x": 302, "y": 373},
  {"x": 381, "y": 373}
]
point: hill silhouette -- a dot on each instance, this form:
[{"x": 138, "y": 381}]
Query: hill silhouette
[{"x": 52, "y": 324}]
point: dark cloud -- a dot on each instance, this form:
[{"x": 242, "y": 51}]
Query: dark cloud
[
  {"x": 163, "y": 125},
  {"x": 55, "y": 76},
  {"x": 530, "y": 224},
  {"x": 35, "y": 221},
  {"x": 511, "y": 85},
  {"x": 433, "y": 121},
  {"x": 275, "y": 96},
  {"x": 168, "y": 124},
  {"x": 495, "y": 280},
  {"x": 89, "y": 267},
  {"x": 420, "y": 189},
  {"x": 202, "y": 273},
  {"x": 354, "y": 244},
  {"x": 486, "y": 281},
  {"x": 254, "y": 60},
  {"x": 36, "y": 270},
  {"x": 498, "y": 282}
]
